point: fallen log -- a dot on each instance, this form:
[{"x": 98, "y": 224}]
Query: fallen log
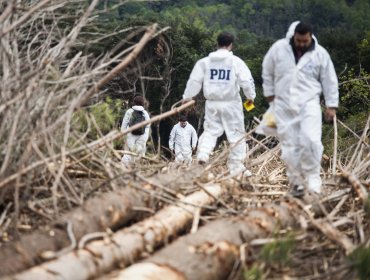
[
  {"x": 211, "y": 252},
  {"x": 127, "y": 245},
  {"x": 109, "y": 211}
]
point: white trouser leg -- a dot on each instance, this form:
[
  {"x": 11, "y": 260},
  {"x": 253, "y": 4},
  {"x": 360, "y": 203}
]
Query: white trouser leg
[
  {"x": 233, "y": 122},
  {"x": 311, "y": 146},
  {"x": 300, "y": 136},
  {"x": 288, "y": 129},
  {"x": 212, "y": 130},
  {"x": 187, "y": 157},
  {"x": 179, "y": 157},
  {"x": 136, "y": 144}
]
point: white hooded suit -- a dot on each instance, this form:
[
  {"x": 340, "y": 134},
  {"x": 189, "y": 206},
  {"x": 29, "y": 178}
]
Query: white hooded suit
[
  {"x": 221, "y": 74},
  {"x": 135, "y": 143},
  {"x": 296, "y": 106},
  {"x": 183, "y": 141}
]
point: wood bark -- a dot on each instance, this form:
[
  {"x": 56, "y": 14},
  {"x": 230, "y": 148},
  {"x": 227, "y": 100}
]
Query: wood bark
[
  {"x": 211, "y": 252},
  {"x": 127, "y": 245},
  {"x": 110, "y": 210}
]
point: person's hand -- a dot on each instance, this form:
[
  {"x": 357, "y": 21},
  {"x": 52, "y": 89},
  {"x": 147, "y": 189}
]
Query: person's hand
[
  {"x": 330, "y": 114},
  {"x": 270, "y": 98}
]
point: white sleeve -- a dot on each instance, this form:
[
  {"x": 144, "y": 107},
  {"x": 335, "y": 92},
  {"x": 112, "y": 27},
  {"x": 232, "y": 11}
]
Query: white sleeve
[
  {"x": 194, "y": 138},
  {"x": 171, "y": 142},
  {"x": 329, "y": 82},
  {"x": 245, "y": 80},
  {"x": 147, "y": 127},
  {"x": 268, "y": 66},
  {"x": 126, "y": 119},
  {"x": 195, "y": 82}
]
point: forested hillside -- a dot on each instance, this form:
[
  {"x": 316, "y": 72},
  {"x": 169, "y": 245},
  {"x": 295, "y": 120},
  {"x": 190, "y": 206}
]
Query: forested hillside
[{"x": 342, "y": 27}]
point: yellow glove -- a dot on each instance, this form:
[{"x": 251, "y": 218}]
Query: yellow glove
[
  {"x": 248, "y": 105},
  {"x": 269, "y": 119}
]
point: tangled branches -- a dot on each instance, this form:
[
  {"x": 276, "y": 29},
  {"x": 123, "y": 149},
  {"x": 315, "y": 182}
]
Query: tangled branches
[{"x": 45, "y": 78}]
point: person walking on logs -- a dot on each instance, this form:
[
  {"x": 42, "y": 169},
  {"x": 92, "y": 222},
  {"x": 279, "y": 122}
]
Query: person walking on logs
[
  {"x": 221, "y": 75},
  {"x": 296, "y": 70},
  {"x": 183, "y": 140},
  {"x": 136, "y": 139}
]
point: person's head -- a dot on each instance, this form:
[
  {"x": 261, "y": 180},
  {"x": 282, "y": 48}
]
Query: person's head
[
  {"x": 302, "y": 36},
  {"x": 183, "y": 120},
  {"x": 139, "y": 100},
  {"x": 225, "y": 40}
]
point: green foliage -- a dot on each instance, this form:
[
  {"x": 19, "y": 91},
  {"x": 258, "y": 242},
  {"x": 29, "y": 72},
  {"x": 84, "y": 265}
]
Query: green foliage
[
  {"x": 278, "y": 252},
  {"x": 364, "y": 51},
  {"x": 107, "y": 115},
  {"x": 255, "y": 273},
  {"x": 355, "y": 92},
  {"x": 345, "y": 55},
  {"x": 360, "y": 260},
  {"x": 345, "y": 137},
  {"x": 342, "y": 27}
]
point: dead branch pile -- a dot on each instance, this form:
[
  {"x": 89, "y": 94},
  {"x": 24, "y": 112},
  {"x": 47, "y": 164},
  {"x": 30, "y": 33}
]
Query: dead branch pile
[
  {"x": 47, "y": 168},
  {"x": 45, "y": 79}
]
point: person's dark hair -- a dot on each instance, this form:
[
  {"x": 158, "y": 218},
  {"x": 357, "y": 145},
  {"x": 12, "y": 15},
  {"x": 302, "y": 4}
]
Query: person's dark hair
[
  {"x": 183, "y": 118},
  {"x": 139, "y": 100},
  {"x": 224, "y": 39},
  {"x": 303, "y": 28}
]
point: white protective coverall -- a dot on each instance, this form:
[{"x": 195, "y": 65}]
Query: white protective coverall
[
  {"x": 183, "y": 141},
  {"x": 134, "y": 143},
  {"x": 296, "y": 106},
  {"x": 222, "y": 74}
]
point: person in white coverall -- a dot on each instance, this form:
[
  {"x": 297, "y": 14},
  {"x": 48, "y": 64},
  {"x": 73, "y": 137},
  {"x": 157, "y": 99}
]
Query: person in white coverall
[
  {"x": 296, "y": 70},
  {"x": 135, "y": 143},
  {"x": 183, "y": 140},
  {"x": 222, "y": 74}
]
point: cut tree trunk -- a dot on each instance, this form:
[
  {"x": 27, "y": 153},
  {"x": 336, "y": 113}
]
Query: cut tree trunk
[
  {"x": 110, "y": 210},
  {"x": 212, "y": 252},
  {"x": 127, "y": 245}
]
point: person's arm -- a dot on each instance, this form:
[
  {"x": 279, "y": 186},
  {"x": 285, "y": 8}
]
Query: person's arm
[
  {"x": 171, "y": 142},
  {"x": 245, "y": 80},
  {"x": 126, "y": 119},
  {"x": 268, "y": 76},
  {"x": 195, "y": 82},
  {"x": 147, "y": 127},
  {"x": 329, "y": 83},
  {"x": 194, "y": 138}
]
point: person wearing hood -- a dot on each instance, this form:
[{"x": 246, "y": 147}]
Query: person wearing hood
[
  {"x": 135, "y": 140},
  {"x": 295, "y": 71},
  {"x": 183, "y": 140},
  {"x": 221, "y": 75}
]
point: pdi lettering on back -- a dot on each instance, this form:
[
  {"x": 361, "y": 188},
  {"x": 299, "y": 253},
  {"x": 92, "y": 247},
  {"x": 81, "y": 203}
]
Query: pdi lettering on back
[{"x": 220, "y": 74}]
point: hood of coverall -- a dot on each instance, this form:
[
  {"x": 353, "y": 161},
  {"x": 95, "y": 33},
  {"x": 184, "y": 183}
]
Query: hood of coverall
[
  {"x": 291, "y": 30},
  {"x": 138, "y": 107},
  {"x": 220, "y": 54}
]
